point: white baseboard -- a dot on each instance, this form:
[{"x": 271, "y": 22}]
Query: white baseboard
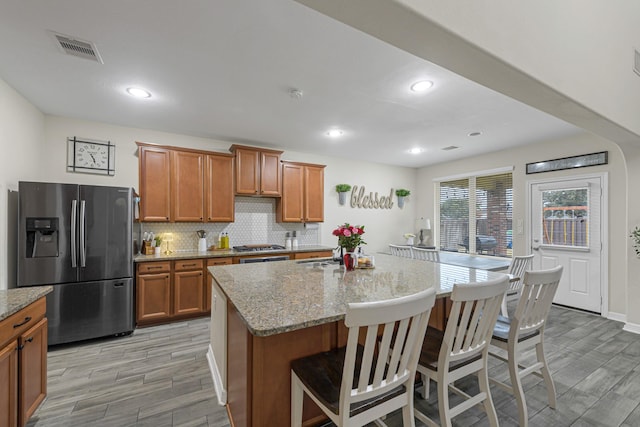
[
  {"x": 217, "y": 379},
  {"x": 632, "y": 327},
  {"x": 618, "y": 317}
]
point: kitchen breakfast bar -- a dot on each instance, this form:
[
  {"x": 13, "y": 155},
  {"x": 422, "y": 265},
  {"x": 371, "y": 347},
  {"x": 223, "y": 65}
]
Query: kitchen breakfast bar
[{"x": 265, "y": 315}]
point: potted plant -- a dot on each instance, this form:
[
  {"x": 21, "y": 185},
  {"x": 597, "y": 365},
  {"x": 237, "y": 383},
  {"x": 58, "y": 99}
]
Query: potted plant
[
  {"x": 342, "y": 190},
  {"x": 402, "y": 193},
  {"x": 635, "y": 235}
]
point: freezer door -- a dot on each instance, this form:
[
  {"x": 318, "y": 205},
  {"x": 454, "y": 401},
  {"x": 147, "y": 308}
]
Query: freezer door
[
  {"x": 45, "y": 233},
  {"x": 80, "y": 311},
  {"x": 105, "y": 235}
]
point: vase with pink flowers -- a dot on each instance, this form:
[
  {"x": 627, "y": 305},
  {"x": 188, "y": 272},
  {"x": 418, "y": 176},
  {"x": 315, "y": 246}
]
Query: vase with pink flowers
[{"x": 349, "y": 238}]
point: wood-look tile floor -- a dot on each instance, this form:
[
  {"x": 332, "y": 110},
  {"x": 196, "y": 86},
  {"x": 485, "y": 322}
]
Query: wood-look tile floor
[{"x": 159, "y": 377}]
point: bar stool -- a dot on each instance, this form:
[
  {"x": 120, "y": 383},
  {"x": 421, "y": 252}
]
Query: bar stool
[
  {"x": 517, "y": 268},
  {"x": 526, "y": 330},
  {"x": 356, "y": 384},
  {"x": 426, "y": 254},
  {"x": 401, "y": 251},
  {"x": 462, "y": 349}
]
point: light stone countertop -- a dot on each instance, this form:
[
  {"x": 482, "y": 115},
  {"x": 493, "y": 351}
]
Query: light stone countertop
[
  {"x": 277, "y": 297},
  {"x": 14, "y": 300},
  {"x": 226, "y": 253}
]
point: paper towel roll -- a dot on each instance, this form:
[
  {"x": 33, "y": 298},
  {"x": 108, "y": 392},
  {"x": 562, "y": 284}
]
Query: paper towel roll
[{"x": 311, "y": 225}]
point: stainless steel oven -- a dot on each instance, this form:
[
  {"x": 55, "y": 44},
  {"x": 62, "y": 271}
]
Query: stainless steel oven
[{"x": 264, "y": 259}]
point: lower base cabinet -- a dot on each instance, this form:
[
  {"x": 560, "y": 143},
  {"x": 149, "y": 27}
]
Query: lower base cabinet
[
  {"x": 23, "y": 364},
  {"x": 170, "y": 290}
]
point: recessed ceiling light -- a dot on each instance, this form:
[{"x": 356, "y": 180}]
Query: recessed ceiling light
[
  {"x": 334, "y": 133},
  {"x": 416, "y": 150},
  {"x": 138, "y": 93},
  {"x": 421, "y": 86},
  {"x": 475, "y": 134}
]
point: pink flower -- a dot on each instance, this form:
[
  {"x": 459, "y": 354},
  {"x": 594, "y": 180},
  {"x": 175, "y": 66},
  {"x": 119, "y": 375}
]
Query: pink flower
[{"x": 346, "y": 233}]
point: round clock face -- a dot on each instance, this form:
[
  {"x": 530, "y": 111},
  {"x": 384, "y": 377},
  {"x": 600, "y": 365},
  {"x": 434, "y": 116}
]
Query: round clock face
[{"x": 94, "y": 156}]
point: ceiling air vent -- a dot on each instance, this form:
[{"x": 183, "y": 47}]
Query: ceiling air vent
[
  {"x": 76, "y": 47},
  {"x": 636, "y": 64},
  {"x": 449, "y": 148}
]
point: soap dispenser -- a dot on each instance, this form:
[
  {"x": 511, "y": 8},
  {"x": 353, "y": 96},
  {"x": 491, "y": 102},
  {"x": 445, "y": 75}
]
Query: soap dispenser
[
  {"x": 294, "y": 242},
  {"x": 287, "y": 242}
]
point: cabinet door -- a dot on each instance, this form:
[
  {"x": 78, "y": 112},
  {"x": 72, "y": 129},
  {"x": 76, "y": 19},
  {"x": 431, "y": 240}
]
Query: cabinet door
[
  {"x": 292, "y": 203},
  {"x": 153, "y": 297},
  {"x": 269, "y": 174},
  {"x": 33, "y": 370},
  {"x": 155, "y": 190},
  {"x": 314, "y": 194},
  {"x": 187, "y": 183},
  {"x": 188, "y": 292},
  {"x": 219, "y": 196},
  {"x": 9, "y": 385},
  {"x": 247, "y": 171}
]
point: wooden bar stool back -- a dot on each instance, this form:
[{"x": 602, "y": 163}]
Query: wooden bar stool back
[
  {"x": 519, "y": 264},
  {"x": 401, "y": 251},
  {"x": 426, "y": 254},
  {"x": 462, "y": 349},
  {"x": 358, "y": 384},
  {"x": 524, "y": 331}
]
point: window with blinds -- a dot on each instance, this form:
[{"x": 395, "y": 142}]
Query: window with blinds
[{"x": 476, "y": 214}]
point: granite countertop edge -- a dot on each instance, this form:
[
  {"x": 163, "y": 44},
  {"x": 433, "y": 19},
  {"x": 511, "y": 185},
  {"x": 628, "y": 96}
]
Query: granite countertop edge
[
  {"x": 291, "y": 327},
  {"x": 14, "y": 300},
  {"x": 226, "y": 253}
]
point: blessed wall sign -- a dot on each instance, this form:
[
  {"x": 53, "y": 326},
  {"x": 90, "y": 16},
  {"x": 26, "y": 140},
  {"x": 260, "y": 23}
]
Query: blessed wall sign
[{"x": 360, "y": 199}]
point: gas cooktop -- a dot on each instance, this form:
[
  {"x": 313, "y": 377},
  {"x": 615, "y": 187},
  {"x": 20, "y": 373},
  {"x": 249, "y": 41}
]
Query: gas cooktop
[{"x": 257, "y": 248}]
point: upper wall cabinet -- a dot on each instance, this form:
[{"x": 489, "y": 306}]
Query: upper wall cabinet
[
  {"x": 155, "y": 183},
  {"x": 220, "y": 200},
  {"x": 302, "y": 193},
  {"x": 183, "y": 185},
  {"x": 187, "y": 186},
  {"x": 257, "y": 171}
]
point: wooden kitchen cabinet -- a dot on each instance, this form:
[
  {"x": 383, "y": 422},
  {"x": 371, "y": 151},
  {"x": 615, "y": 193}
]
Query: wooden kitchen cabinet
[
  {"x": 219, "y": 195},
  {"x": 187, "y": 186},
  {"x": 302, "y": 193},
  {"x": 310, "y": 255},
  {"x": 9, "y": 384},
  {"x": 188, "y": 287},
  {"x": 153, "y": 296},
  {"x": 211, "y": 262},
  {"x": 155, "y": 183},
  {"x": 23, "y": 363},
  {"x": 257, "y": 171},
  {"x": 169, "y": 290},
  {"x": 33, "y": 369},
  {"x": 184, "y": 185}
]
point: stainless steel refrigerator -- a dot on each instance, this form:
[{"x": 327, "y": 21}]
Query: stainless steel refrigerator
[{"x": 79, "y": 239}]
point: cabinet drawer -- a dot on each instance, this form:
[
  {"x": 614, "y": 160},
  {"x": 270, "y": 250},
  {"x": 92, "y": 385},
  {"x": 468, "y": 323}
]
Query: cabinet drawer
[
  {"x": 188, "y": 264},
  {"x": 219, "y": 261},
  {"x": 154, "y": 267},
  {"x": 309, "y": 255},
  {"x": 24, "y": 319}
]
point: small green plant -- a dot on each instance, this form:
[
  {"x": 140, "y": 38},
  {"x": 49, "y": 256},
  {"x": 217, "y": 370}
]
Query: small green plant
[
  {"x": 158, "y": 240},
  {"x": 401, "y": 192},
  {"x": 635, "y": 235},
  {"x": 343, "y": 188}
]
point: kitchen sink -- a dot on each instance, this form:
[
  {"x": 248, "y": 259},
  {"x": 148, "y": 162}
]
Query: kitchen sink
[{"x": 318, "y": 262}]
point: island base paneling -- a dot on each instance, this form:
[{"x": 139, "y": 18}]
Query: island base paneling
[{"x": 259, "y": 372}]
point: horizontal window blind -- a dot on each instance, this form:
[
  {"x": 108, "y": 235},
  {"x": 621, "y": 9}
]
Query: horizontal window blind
[{"x": 476, "y": 214}]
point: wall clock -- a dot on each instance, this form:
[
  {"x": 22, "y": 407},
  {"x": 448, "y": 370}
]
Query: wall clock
[{"x": 87, "y": 156}]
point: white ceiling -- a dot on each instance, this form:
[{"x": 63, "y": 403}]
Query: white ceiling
[{"x": 223, "y": 69}]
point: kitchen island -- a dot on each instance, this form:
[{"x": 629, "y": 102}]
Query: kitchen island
[{"x": 265, "y": 315}]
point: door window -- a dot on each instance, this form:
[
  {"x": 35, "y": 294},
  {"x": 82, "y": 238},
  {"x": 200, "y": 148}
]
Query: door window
[{"x": 565, "y": 217}]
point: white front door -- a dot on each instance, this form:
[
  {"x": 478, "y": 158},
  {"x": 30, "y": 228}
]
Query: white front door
[{"x": 566, "y": 220}]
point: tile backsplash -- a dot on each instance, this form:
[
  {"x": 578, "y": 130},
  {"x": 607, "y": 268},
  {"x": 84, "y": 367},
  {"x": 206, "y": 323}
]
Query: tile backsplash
[{"x": 255, "y": 223}]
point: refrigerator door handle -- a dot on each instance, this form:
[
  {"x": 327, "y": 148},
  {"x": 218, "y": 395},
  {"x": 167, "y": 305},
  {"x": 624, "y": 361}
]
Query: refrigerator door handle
[
  {"x": 74, "y": 227},
  {"x": 83, "y": 243}
]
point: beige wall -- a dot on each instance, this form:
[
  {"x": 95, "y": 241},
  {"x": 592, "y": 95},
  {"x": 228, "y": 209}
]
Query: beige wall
[
  {"x": 21, "y": 136},
  {"x": 517, "y": 158}
]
